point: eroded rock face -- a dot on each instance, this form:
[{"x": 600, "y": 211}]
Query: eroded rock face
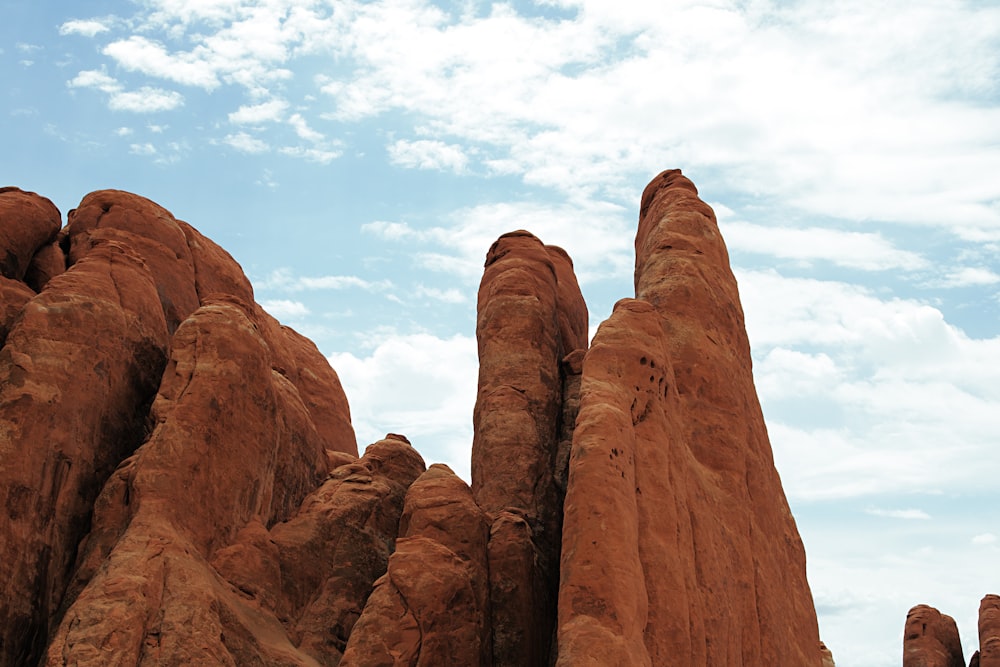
[
  {"x": 150, "y": 415},
  {"x": 672, "y": 488},
  {"x": 989, "y": 631},
  {"x": 432, "y": 605},
  {"x": 930, "y": 639},
  {"x": 530, "y": 315},
  {"x": 184, "y": 486},
  {"x": 28, "y": 224}
]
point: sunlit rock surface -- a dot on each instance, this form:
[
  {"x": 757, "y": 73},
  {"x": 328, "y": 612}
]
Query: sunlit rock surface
[{"x": 182, "y": 482}]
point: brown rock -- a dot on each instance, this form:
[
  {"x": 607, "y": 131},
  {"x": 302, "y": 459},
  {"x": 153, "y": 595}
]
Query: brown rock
[
  {"x": 339, "y": 543},
  {"x": 528, "y": 293},
  {"x": 242, "y": 429},
  {"x": 989, "y": 631},
  {"x": 678, "y": 545},
  {"x": 931, "y": 639},
  {"x": 431, "y": 606},
  {"x": 27, "y": 223},
  {"x": 77, "y": 375},
  {"x": 47, "y": 263},
  {"x": 827, "y": 656},
  {"x": 13, "y": 295},
  {"x": 187, "y": 573},
  {"x": 150, "y": 231}
]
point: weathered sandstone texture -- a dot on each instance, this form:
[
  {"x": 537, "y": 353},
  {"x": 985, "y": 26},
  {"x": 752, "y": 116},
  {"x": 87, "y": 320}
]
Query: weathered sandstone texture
[
  {"x": 151, "y": 414},
  {"x": 183, "y": 487},
  {"x": 930, "y": 639},
  {"x": 678, "y": 544}
]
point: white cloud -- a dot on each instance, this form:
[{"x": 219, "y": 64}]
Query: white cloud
[
  {"x": 595, "y": 234},
  {"x": 450, "y": 295},
  {"x": 142, "y": 149},
  {"x": 124, "y": 131},
  {"x": 908, "y": 514},
  {"x": 145, "y": 100},
  {"x": 809, "y": 103},
  {"x": 84, "y": 27},
  {"x": 303, "y": 130},
  {"x": 984, "y": 538},
  {"x": 968, "y": 277},
  {"x": 253, "y": 114},
  {"x": 854, "y": 250},
  {"x": 285, "y": 308},
  {"x": 425, "y": 154},
  {"x": 866, "y": 395},
  {"x": 317, "y": 155},
  {"x": 286, "y": 280},
  {"x": 139, "y": 54},
  {"x": 98, "y": 79},
  {"x": 246, "y": 143},
  {"x": 419, "y": 385},
  {"x": 340, "y": 282}
]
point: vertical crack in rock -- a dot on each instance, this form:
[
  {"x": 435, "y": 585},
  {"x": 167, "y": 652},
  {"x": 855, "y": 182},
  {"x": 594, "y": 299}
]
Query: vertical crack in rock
[{"x": 530, "y": 316}]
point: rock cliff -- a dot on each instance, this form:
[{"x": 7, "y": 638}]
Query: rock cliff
[{"x": 182, "y": 483}]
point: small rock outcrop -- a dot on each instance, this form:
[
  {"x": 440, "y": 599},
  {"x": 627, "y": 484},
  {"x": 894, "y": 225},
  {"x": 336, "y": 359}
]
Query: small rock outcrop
[
  {"x": 930, "y": 639},
  {"x": 183, "y": 485}
]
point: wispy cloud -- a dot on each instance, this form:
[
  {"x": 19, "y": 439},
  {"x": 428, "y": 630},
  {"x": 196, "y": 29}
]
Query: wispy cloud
[
  {"x": 253, "y": 114},
  {"x": 144, "y": 100},
  {"x": 968, "y": 276},
  {"x": 908, "y": 514},
  {"x": 286, "y": 280},
  {"x": 84, "y": 27},
  {"x": 285, "y": 308},
  {"x": 829, "y": 133},
  {"x": 245, "y": 143},
  {"x": 867, "y": 251},
  {"x": 425, "y": 154}
]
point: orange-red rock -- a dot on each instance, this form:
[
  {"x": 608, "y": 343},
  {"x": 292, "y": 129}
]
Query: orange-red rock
[
  {"x": 152, "y": 232},
  {"x": 184, "y": 487},
  {"x": 431, "y": 606},
  {"x": 339, "y": 543},
  {"x": 246, "y": 418},
  {"x": 678, "y": 544},
  {"x": 528, "y": 320},
  {"x": 989, "y": 631},
  {"x": 930, "y": 639},
  {"x": 78, "y": 372},
  {"x": 27, "y": 223},
  {"x": 187, "y": 571}
]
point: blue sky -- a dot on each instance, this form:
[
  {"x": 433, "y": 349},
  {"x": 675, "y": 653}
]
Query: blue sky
[{"x": 358, "y": 158}]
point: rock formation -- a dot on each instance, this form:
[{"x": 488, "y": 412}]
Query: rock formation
[
  {"x": 678, "y": 544},
  {"x": 183, "y": 486},
  {"x": 930, "y": 639}
]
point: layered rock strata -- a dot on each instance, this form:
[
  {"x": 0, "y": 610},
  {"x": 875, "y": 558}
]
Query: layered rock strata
[{"x": 184, "y": 487}]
